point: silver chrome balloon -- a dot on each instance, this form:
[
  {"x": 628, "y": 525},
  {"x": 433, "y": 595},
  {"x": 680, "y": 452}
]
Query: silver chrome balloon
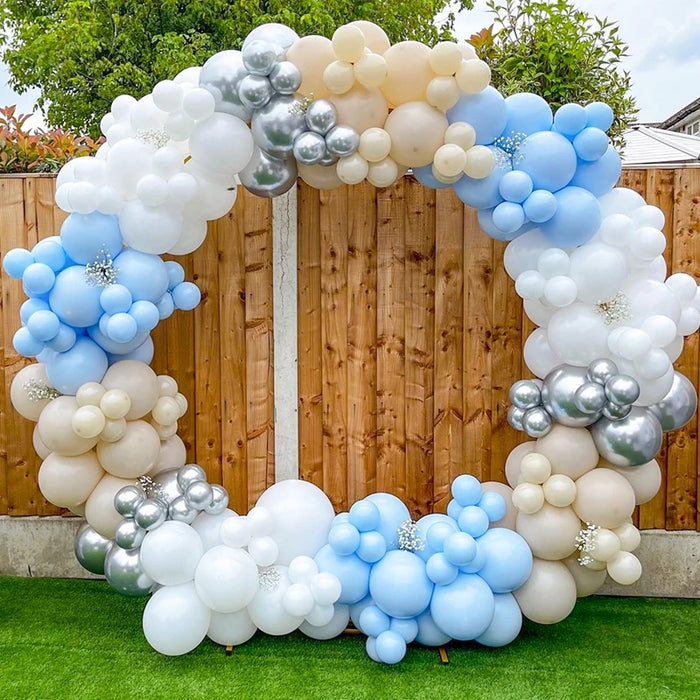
[
  {"x": 128, "y": 499},
  {"x": 129, "y": 534},
  {"x": 90, "y": 549},
  {"x": 678, "y": 406},
  {"x": 220, "y": 75},
  {"x": 601, "y": 370},
  {"x": 285, "y": 78},
  {"x": 342, "y": 140},
  {"x": 268, "y": 177},
  {"x": 188, "y": 474},
  {"x": 275, "y": 33},
  {"x": 536, "y": 422},
  {"x": 590, "y": 398},
  {"x": 321, "y": 116},
  {"x": 219, "y": 500},
  {"x": 622, "y": 389},
  {"x": 277, "y": 124},
  {"x": 179, "y": 510},
  {"x": 515, "y": 417},
  {"x": 616, "y": 411},
  {"x": 525, "y": 394},
  {"x": 260, "y": 56},
  {"x": 309, "y": 148},
  {"x": 328, "y": 159},
  {"x": 558, "y": 396},
  {"x": 255, "y": 91},
  {"x": 151, "y": 514},
  {"x": 167, "y": 486},
  {"x": 125, "y": 574},
  {"x": 199, "y": 495},
  {"x": 629, "y": 442}
]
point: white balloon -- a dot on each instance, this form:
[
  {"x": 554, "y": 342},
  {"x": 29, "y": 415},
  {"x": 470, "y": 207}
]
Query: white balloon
[
  {"x": 578, "y": 335},
  {"x": 170, "y": 553},
  {"x": 145, "y": 115},
  {"x": 226, "y": 579},
  {"x": 538, "y": 354},
  {"x": 598, "y": 270},
  {"x": 266, "y": 610},
  {"x": 336, "y": 626},
  {"x": 523, "y": 252},
  {"x": 150, "y": 229},
  {"x": 552, "y": 262},
  {"x": 222, "y": 142},
  {"x": 208, "y": 527},
  {"x": 231, "y": 629},
  {"x": 167, "y": 95}
]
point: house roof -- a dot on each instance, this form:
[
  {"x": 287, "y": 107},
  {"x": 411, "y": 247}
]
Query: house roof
[
  {"x": 681, "y": 114},
  {"x": 649, "y": 146}
]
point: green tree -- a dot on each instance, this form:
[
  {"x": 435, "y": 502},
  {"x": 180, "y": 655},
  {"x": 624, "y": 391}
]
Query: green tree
[
  {"x": 559, "y": 52},
  {"x": 81, "y": 54}
]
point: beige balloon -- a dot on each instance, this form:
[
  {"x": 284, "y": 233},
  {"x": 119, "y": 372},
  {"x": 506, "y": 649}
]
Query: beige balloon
[
  {"x": 138, "y": 380},
  {"x": 559, "y": 490},
  {"x": 56, "y": 428},
  {"x": 349, "y": 43},
  {"x": 375, "y": 144},
  {"x": 181, "y": 404},
  {"x": 473, "y": 76},
  {"x": 320, "y": 177},
  {"x": 625, "y": 569},
  {"x": 361, "y": 108},
  {"x": 78, "y": 510},
  {"x": 442, "y": 92},
  {"x": 644, "y": 479},
  {"x": 99, "y": 507},
  {"x": 89, "y": 394},
  {"x": 607, "y": 545},
  {"x": 528, "y": 498},
  {"x": 115, "y": 404},
  {"x": 352, "y": 169},
  {"x": 461, "y": 133},
  {"x": 167, "y": 386},
  {"x": 311, "y": 54},
  {"x": 166, "y": 410},
  {"x": 449, "y": 160},
  {"x": 69, "y": 481},
  {"x": 467, "y": 50},
  {"x": 375, "y": 37},
  {"x": 514, "y": 459},
  {"x": 39, "y": 446},
  {"x": 535, "y": 468},
  {"x": 172, "y": 455},
  {"x": 445, "y": 58},
  {"x": 384, "y": 173},
  {"x": 25, "y": 384},
  {"x": 508, "y": 520},
  {"x": 88, "y": 421},
  {"x": 587, "y": 581},
  {"x": 408, "y": 72},
  {"x": 443, "y": 178},
  {"x": 480, "y": 162},
  {"x": 114, "y": 430},
  {"x": 549, "y": 595},
  {"x": 371, "y": 70},
  {"x": 551, "y": 532},
  {"x": 570, "y": 450},
  {"x": 416, "y": 131},
  {"x": 164, "y": 431},
  {"x": 339, "y": 77},
  {"x": 630, "y": 537},
  {"x": 134, "y": 454},
  {"x": 604, "y": 497}
]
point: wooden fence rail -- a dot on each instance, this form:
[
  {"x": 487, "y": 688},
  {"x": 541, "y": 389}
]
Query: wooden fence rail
[{"x": 410, "y": 335}]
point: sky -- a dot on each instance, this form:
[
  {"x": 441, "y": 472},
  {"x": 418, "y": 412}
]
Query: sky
[{"x": 663, "y": 37}]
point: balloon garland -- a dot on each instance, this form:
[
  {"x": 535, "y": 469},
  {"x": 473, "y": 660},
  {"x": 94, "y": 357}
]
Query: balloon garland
[{"x": 586, "y": 258}]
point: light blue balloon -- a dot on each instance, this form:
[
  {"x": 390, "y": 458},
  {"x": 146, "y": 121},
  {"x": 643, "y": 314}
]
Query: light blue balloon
[
  {"x": 515, "y": 186},
  {"x": 600, "y": 115},
  {"x": 548, "y": 158},
  {"x": 540, "y": 206},
  {"x": 25, "y": 343},
  {"x": 87, "y": 237},
  {"x": 112, "y": 346},
  {"x": 357, "y": 608},
  {"x": 527, "y": 113},
  {"x": 390, "y": 647},
  {"x": 408, "y": 629},
  {"x": 591, "y": 143},
  {"x": 473, "y": 521},
  {"x": 344, "y": 538},
  {"x": 16, "y": 261},
  {"x": 486, "y": 222},
  {"x": 466, "y": 490},
  {"x": 494, "y": 505},
  {"x": 84, "y": 362},
  {"x": 146, "y": 315},
  {"x": 421, "y": 532},
  {"x": 576, "y": 220},
  {"x": 464, "y": 609},
  {"x": 508, "y": 217},
  {"x": 399, "y": 585},
  {"x": 364, "y": 515},
  {"x": 343, "y": 517},
  {"x": 569, "y": 119},
  {"x": 122, "y": 328},
  {"x": 486, "y": 112},
  {"x": 115, "y": 299},
  {"x": 73, "y": 300},
  {"x": 484, "y": 193},
  {"x": 600, "y": 176},
  {"x": 64, "y": 339},
  {"x": 371, "y": 648},
  {"x": 477, "y": 563},
  {"x": 429, "y": 634},
  {"x": 352, "y": 572},
  {"x": 51, "y": 253},
  {"x": 176, "y": 273},
  {"x": 143, "y": 353},
  {"x": 508, "y": 560},
  {"x": 392, "y": 513},
  {"x": 373, "y": 621},
  {"x": 437, "y": 534},
  {"x": 460, "y": 548},
  {"x": 372, "y": 547},
  {"x": 425, "y": 176},
  {"x": 43, "y": 325},
  {"x": 165, "y": 306},
  {"x": 38, "y": 279},
  {"x": 440, "y": 570},
  {"x": 454, "y": 509},
  {"x": 186, "y": 296},
  {"x": 30, "y": 306},
  {"x": 146, "y": 276},
  {"x": 506, "y": 623}
]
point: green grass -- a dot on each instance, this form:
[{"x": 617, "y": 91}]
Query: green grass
[{"x": 79, "y": 639}]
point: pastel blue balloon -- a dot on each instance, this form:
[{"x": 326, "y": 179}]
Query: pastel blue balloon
[
  {"x": 408, "y": 629},
  {"x": 357, "y": 608},
  {"x": 84, "y": 362},
  {"x": 51, "y": 253},
  {"x": 115, "y": 299},
  {"x": 591, "y": 143},
  {"x": 438, "y": 532},
  {"x": 25, "y": 343},
  {"x": 506, "y": 623},
  {"x": 494, "y": 505},
  {"x": 527, "y": 113},
  {"x": 399, "y": 585},
  {"x": 373, "y": 621},
  {"x": 466, "y": 490},
  {"x": 485, "y": 111},
  {"x": 186, "y": 296},
  {"x": 477, "y": 563},
  {"x": 425, "y": 176},
  {"x": 473, "y": 521},
  {"x": 165, "y": 306},
  {"x": 114, "y": 347},
  {"x": 30, "y": 306},
  {"x": 143, "y": 353},
  {"x": 508, "y": 559},
  {"x": 87, "y": 237},
  {"x": 421, "y": 532},
  {"x": 576, "y": 220},
  {"x": 372, "y": 547},
  {"x": 390, "y": 647},
  {"x": 600, "y": 176},
  {"x": 145, "y": 275},
  {"x": 515, "y": 186},
  {"x": 569, "y": 119},
  {"x": 176, "y": 273},
  {"x": 146, "y": 315},
  {"x": 429, "y": 634},
  {"x": 486, "y": 222},
  {"x": 364, "y": 515},
  {"x": 102, "y": 323},
  {"x": 508, "y": 217},
  {"x": 43, "y": 325},
  {"x": 540, "y": 206},
  {"x": 371, "y": 648},
  {"x": 122, "y": 328},
  {"x": 440, "y": 570},
  {"x": 454, "y": 509},
  {"x": 64, "y": 339},
  {"x": 548, "y": 158},
  {"x": 352, "y": 572},
  {"x": 343, "y": 517},
  {"x": 464, "y": 609},
  {"x": 600, "y": 115},
  {"x": 38, "y": 279},
  {"x": 16, "y": 261},
  {"x": 460, "y": 548},
  {"x": 344, "y": 538},
  {"x": 74, "y": 301},
  {"x": 392, "y": 513},
  {"x": 483, "y": 193}
]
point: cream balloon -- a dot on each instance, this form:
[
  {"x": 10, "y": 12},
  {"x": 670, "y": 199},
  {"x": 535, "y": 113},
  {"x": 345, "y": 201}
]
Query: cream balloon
[
  {"x": 114, "y": 430},
  {"x": 172, "y": 455},
  {"x": 604, "y": 497},
  {"x": 416, "y": 131},
  {"x": 508, "y": 520},
  {"x": 629, "y": 536},
  {"x": 376, "y": 39},
  {"x": 587, "y": 580},
  {"x": 473, "y": 75},
  {"x": 514, "y": 459},
  {"x": 88, "y": 422},
  {"x": 69, "y": 481},
  {"x": 138, "y": 380},
  {"x": 349, "y": 43},
  {"x": 383, "y": 173},
  {"x": 625, "y": 568},
  {"x": 450, "y": 160},
  {"x": 462, "y": 134},
  {"x": 134, "y": 454},
  {"x": 320, "y": 177},
  {"x": 311, "y": 54},
  {"x": 89, "y": 394},
  {"x": 480, "y": 162},
  {"x": 39, "y": 446},
  {"x": 375, "y": 144},
  {"x": 445, "y": 58},
  {"x": 644, "y": 479},
  {"x": 528, "y": 498},
  {"x": 166, "y": 411},
  {"x": 535, "y": 468},
  {"x": 99, "y": 507},
  {"x": 27, "y": 388},
  {"x": 551, "y": 532},
  {"x": 571, "y": 451},
  {"x": 115, "y": 404},
  {"x": 339, "y": 77},
  {"x": 549, "y": 595},
  {"x": 56, "y": 428},
  {"x": 352, "y": 169},
  {"x": 371, "y": 70},
  {"x": 607, "y": 545},
  {"x": 442, "y": 92},
  {"x": 559, "y": 490},
  {"x": 408, "y": 72},
  {"x": 164, "y": 431},
  {"x": 167, "y": 386},
  {"x": 361, "y": 108}
]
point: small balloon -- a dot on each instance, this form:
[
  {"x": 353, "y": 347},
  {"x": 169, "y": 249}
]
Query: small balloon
[
  {"x": 525, "y": 394},
  {"x": 536, "y": 422},
  {"x": 90, "y": 549},
  {"x": 309, "y": 148},
  {"x": 285, "y": 78},
  {"x": 255, "y": 91},
  {"x": 128, "y": 534},
  {"x": 678, "y": 406},
  {"x": 342, "y": 140},
  {"x": 321, "y": 116},
  {"x": 151, "y": 514},
  {"x": 631, "y": 441},
  {"x": 266, "y": 176},
  {"x": 125, "y": 574},
  {"x": 128, "y": 499}
]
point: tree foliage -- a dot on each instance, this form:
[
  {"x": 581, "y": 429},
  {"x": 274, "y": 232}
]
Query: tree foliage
[
  {"x": 81, "y": 54},
  {"x": 559, "y": 52}
]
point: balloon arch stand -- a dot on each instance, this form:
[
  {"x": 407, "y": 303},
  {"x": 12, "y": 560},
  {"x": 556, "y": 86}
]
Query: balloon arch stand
[{"x": 585, "y": 256}]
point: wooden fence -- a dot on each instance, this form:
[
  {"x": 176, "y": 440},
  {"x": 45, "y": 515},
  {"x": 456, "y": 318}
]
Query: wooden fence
[{"x": 410, "y": 335}]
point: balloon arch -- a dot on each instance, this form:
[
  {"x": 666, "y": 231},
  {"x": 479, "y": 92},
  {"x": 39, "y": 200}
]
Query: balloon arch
[{"x": 586, "y": 258}]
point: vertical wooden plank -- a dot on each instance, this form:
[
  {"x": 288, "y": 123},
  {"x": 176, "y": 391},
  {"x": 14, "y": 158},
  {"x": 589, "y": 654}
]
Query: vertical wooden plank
[
  {"x": 232, "y": 277},
  {"x": 362, "y": 343},
  {"x": 259, "y": 362},
  {"x": 334, "y": 341},
  {"x": 420, "y": 321},
  {"x": 478, "y": 291},
  {"x": 309, "y": 339},
  {"x": 391, "y": 423},
  {"x": 47, "y": 221},
  {"x": 449, "y": 325}
]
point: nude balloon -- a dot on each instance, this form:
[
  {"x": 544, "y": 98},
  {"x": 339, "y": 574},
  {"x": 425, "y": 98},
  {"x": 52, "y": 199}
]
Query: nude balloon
[
  {"x": 56, "y": 429},
  {"x": 416, "y": 131},
  {"x": 361, "y": 108},
  {"x": 69, "y": 481},
  {"x": 549, "y": 595},
  {"x": 99, "y": 507},
  {"x": 134, "y": 454},
  {"x": 408, "y": 72},
  {"x": 311, "y": 55},
  {"x": 139, "y": 381}
]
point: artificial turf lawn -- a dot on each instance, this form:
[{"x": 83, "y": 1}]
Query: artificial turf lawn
[{"x": 80, "y": 639}]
